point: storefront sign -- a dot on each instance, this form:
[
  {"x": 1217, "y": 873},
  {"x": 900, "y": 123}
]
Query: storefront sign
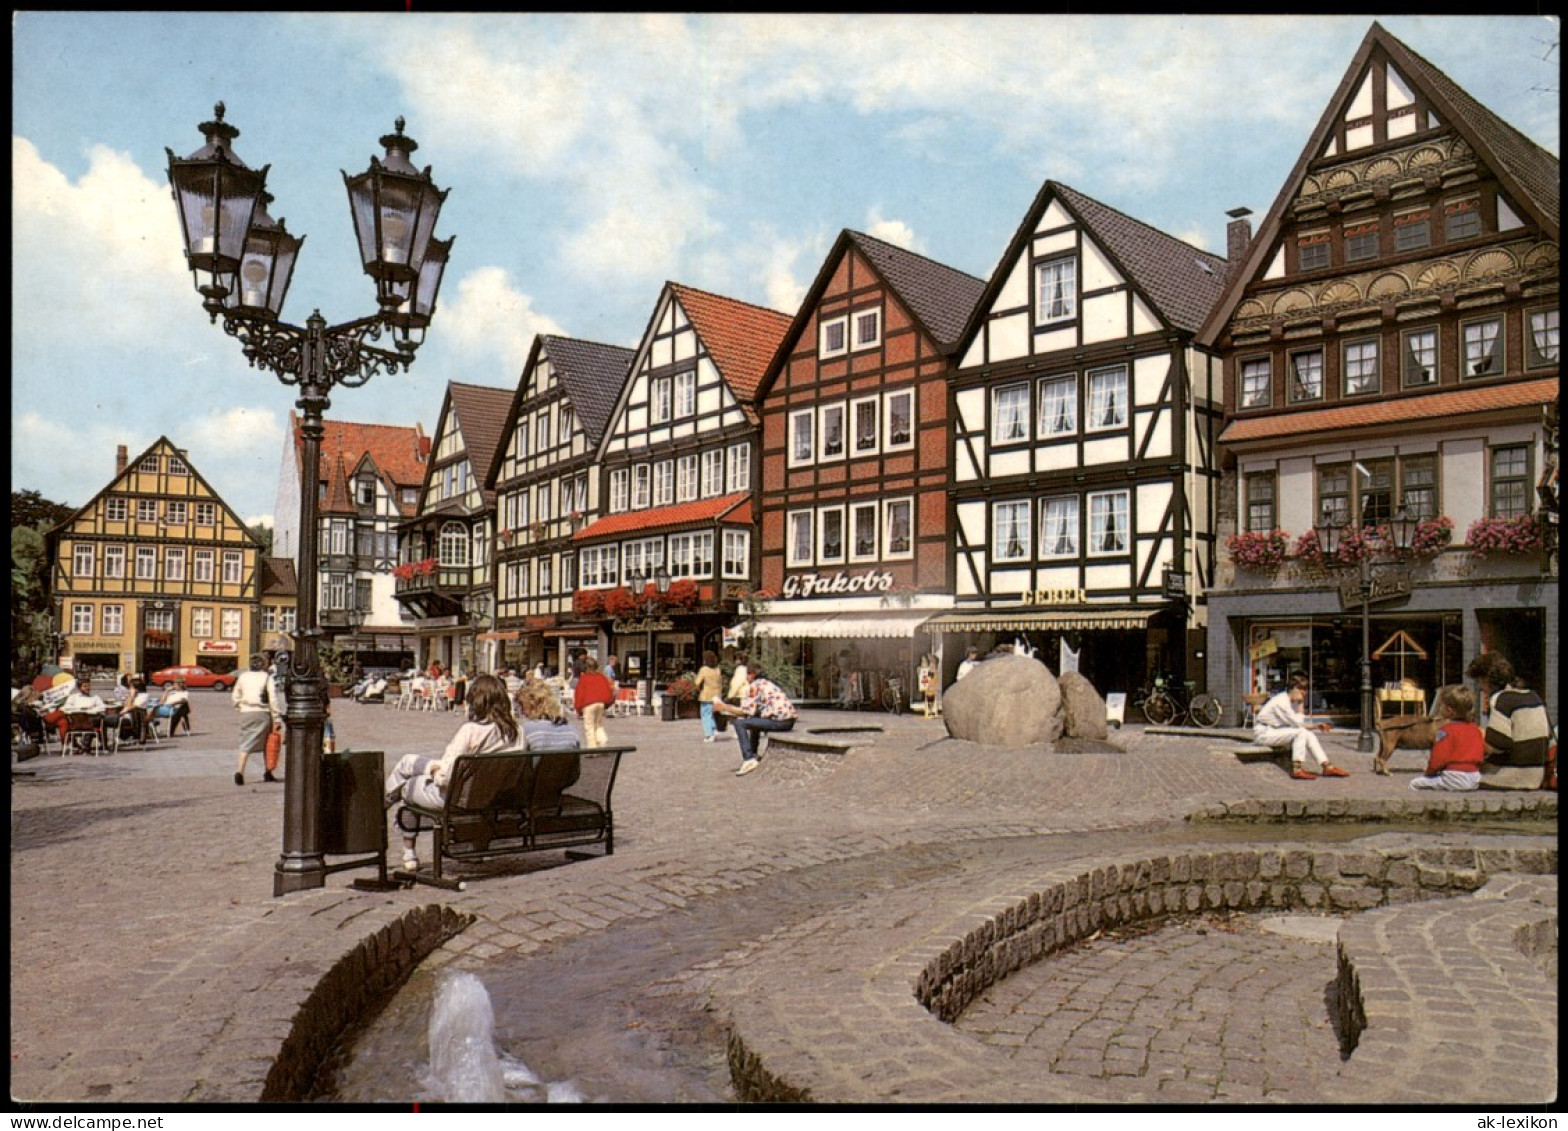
[
  {"x": 1388, "y": 585},
  {"x": 1263, "y": 649},
  {"x": 94, "y": 645},
  {"x": 1053, "y": 597},
  {"x": 814, "y": 584},
  {"x": 1175, "y": 583},
  {"x": 647, "y": 624},
  {"x": 217, "y": 646}
]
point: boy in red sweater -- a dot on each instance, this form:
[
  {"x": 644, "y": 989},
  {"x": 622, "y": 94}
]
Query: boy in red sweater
[{"x": 1455, "y": 763}]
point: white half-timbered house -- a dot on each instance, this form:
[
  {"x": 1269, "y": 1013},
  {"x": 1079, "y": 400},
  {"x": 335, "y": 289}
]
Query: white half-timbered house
[
  {"x": 547, "y": 487},
  {"x": 1083, "y": 446},
  {"x": 677, "y": 461}
]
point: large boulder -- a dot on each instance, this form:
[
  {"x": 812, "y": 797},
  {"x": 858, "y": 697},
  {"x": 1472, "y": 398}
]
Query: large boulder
[
  {"x": 1083, "y": 711},
  {"x": 1008, "y": 701}
]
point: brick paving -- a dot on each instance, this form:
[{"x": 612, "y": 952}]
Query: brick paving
[{"x": 150, "y": 962}]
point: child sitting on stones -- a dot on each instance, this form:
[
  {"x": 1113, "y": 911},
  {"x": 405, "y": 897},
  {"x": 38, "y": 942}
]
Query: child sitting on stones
[{"x": 1459, "y": 748}]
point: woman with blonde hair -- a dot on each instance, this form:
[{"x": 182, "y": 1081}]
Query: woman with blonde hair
[{"x": 545, "y": 726}]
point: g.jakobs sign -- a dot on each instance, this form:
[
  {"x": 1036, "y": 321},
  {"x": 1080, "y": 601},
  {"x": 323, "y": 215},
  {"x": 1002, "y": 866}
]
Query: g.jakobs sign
[{"x": 816, "y": 585}]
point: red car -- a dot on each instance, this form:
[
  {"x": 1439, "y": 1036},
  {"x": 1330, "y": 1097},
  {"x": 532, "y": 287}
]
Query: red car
[{"x": 194, "y": 678}]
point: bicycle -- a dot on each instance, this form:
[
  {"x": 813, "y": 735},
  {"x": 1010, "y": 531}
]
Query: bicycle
[
  {"x": 1166, "y": 704},
  {"x": 893, "y": 695}
]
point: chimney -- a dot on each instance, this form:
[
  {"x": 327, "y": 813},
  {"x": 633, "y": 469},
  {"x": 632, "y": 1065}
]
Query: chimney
[
  {"x": 1238, "y": 234},
  {"x": 121, "y": 456}
]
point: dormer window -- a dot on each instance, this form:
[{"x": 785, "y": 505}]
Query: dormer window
[
  {"x": 367, "y": 493},
  {"x": 834, "y": 337},
  {"x": 868, "y": 328},
  {"x": 1056, "y": 291}
]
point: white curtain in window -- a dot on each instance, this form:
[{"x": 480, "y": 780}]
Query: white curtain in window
[
  {"x": 1058, "y": 407},
  {"x": 1543, "y": 331},
  {"x": 1108, "y": 398},
  {"x": 1012, "y": 531},
  {"x": 1059, "y": 527},
  {"x": 1108, "y": 522},
  {"x": 1012, "y": 408}
]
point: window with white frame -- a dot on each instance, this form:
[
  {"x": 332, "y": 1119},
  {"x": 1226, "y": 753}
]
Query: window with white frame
[
  {"x": 1420, "y": 357},
  {"x": 1541, "y": 339},
  {"x": 568, "y": 573},
  {"x": 830, "y": 535},
  {"x": 867, "y": 328},
  {"x": 542, "y": 440},
  {"x": 659, "y": 397},
  {"x": 203, "y": 563},
  {"x": 206, "y": 514},
  {"x": 177, "y": 466},
  {"x": 174, "y": 563},
  {"x": 598, "y": 566},
  {"x": 159, "y": 620},
  {"x": 453, "y": 545},
  {"x": 114, "y": 561},
  {"x": 1418, "y": 485},
  {"x": 800, "y": 538},
  {"x": 1261, "y": 504},
  {"x": 691, "y": 555},
  {"x": 146, "y": 563},
  {"x": 113, "y": 620},
  {"x": 148, "y": 464},
  {"x": 833, "y": 336},
  {"x": 544, "y": 501},
  {"x": 1010, "y": 532},
  {"x": 898, "y": 528},
  {"x": 686, "y": 393},
  {"x": 620, "y": 489},
  {"x": 520, "y": 439},
  {"x": 863, "y": 532},
  {"x": 1056, "y": 290},
  {"x": 899, "y": 421},
  {"x": 1107, "y": 398},
  {"x": 737, "y": 554},
  {"x": 146, "y": 510},
  {"x": 337, "y": 536},
  {"x": 522, "y": 509},
  {"x": 288, "y": 617},
  {"x": 802, "y": 437},
  {"x": 864, "y": 418},
  {"x": 546, "y": 576},
  {"x": 832, "y": 428},
  {"x": 1510, "y": 485},
  {"x": 1058, "y": 406},
  {"x": 1257, "y": 382},
  {"x": 269, "y": 618},
  {"x": 643, "y": 556},
  {"x": 1483, "y": 342},
  {"x": 1010, "y": 414},
  {"x": 563, "y": 431},
  {"x": 1108, "y": 517},
  {"x": 81, "y": 620},
  {"x": 82, "y": 560},
  {"x": 686, "y": 479},
  {"x": 174, "y": 511},
  {"x": 115, "y": 509},
  {"x": 522, "y": 579},
  {"x": 229, "y": 624},
  {"x": 201, "y": 622},
  {"x": 1306, "y": 375},
  {"x": 739, "y": 475},
  {"x": 1059, "y": 527},
  {"x": 641, "y": 476},
  {"x": 1362, "y": 371},
  {"x": 336, "y": 594},
  {"x": 663, "y": 483},
  {"x": 712, "y": 472},
  {"x": 232, "y": 565},
  {"x": 579, "y": 487}
]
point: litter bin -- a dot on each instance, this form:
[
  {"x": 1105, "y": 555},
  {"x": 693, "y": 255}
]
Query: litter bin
[
  {"x": 353, "y": 803},
  {"x": 667, "y": 708}
]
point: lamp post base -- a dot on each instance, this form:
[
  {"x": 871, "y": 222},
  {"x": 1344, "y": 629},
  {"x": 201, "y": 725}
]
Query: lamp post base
[{"x": 298, "y": 873}]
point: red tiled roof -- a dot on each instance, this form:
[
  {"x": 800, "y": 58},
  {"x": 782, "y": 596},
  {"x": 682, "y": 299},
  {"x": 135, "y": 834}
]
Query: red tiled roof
[
  {"x": 1401, "y": 410},
  {"x": 681, "y": 514},
  {"x": 741, "y": 338},
  {"x": 397, "y": 451}
]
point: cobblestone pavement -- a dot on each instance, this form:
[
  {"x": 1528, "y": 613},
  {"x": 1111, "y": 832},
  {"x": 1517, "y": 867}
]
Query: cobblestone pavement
[{"x": 150, "y": 961}]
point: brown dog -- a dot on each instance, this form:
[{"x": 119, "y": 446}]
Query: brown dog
[{"x": 1406, "y": 732}]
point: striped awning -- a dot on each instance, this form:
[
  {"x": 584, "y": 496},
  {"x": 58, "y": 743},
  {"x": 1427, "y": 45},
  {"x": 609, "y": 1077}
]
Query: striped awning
[
  {"x": 1062, "y": 620},
  {"x": 818, "y": 626}
]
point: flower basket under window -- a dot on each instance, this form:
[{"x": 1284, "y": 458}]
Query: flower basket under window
[
  {"x": 1432, "y": 537},
  {"x": 683, "y": 594},
  {"x": 620, "y": 603},
  {"x": 588, "y": 602},
  {"x": 682, "y": 690},
  {"x": 1355, "y": 545},
  {"x": 1518, "y": 536},
  {"x": 1259, "y": 550}
]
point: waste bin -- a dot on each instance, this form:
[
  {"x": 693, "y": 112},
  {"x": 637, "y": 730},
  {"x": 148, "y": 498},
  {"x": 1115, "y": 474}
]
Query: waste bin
[
  {"x": 353, "y": 803},
  {"x": 667, "y": 708}
]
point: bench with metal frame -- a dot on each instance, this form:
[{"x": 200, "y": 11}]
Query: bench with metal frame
[{"x": 516, "y": 801}]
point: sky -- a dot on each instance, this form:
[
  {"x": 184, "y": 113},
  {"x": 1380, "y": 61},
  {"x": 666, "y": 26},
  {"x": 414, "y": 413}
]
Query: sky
[{"x": 591, "y": 158}]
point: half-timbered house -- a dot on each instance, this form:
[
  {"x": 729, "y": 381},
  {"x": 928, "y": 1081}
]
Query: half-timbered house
[
  {"x": 443, "y": 576},
  {"x": 1084, "y": 423},
  {"x": 1391, "y": 341},
  {"x": 853, "y": 499},
  {"x": 547, "y": 487},
  {"x": 677, "y": 461},
  {"x": 155, "y": 571}
]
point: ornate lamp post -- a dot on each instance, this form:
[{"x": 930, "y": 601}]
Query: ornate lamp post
[
  {"x": 636, "y": 583},
  {"x": 1330, "y": 535},
  {"x": 242, "y": 261}
]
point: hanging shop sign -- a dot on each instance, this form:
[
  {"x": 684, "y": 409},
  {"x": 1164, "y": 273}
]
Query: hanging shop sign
[
  {"x": 647, "y": 624},
  {"x": 817, "y": 585},
  {"x": 1386, "y": 585},
  {"x": 1053, "y": 597},
  {"x": 1263, "y": 649},
  {"x": 1175, "y": 584}
]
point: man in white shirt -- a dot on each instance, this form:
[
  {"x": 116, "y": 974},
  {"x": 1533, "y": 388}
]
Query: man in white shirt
[
  {"x": 1280, "y": 724},
  {"x": 970, "y": 661}
]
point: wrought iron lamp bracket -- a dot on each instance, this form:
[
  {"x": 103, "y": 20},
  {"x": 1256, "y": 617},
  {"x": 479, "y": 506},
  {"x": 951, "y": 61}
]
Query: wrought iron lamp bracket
[{"x": 344, "y": 353}]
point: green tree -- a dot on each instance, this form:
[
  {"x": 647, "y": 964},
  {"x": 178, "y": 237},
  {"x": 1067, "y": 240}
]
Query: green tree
[
  {"x": 29, "y": 601},
  {"x": 29, "y": 508},
  {"x": 263, "y": 534}
]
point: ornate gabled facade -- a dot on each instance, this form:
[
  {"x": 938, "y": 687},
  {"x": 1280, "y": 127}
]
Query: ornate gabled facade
[
  {"x": 155, "y": 571},
  {"x": 677, "y": 462},
  {"x": 443, "y": 578},
  {"x": 370, "y": 476},
  {"x": 1084, "y": 428},
  {"x": 1391, "y": 340},
  {"x": 547, "y": 487},
  {"x": 855, "y": 548}
]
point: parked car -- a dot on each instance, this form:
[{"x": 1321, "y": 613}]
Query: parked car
[{"x": 194, "y": 677}]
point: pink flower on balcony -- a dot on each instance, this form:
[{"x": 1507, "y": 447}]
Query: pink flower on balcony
[
  {"x": 1520, "y": 535},
  {"x": 1257, "y": 549}
]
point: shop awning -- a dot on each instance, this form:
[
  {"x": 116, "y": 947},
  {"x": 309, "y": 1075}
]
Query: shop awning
[
  {"x": 1083, "y": 619},
  {"x": 816, "y": 626},
  {"x": 499, "y": 635}
]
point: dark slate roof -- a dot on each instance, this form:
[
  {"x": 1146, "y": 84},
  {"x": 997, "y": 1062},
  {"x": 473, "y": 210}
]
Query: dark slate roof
[
  {"x": 592, "y": 374},
  {"x": 941, "y": 297},
  {"x": 278, "y": 578},
  {"x": 1181, "y": 281},
  {"x": 481, "y": 413}
]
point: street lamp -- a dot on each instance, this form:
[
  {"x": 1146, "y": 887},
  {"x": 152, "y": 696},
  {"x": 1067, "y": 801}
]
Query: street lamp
[
  {"x": 242, "y": 261},
  {"x": 1330, "y": 535},
  {"x": 636, "y": 583}
]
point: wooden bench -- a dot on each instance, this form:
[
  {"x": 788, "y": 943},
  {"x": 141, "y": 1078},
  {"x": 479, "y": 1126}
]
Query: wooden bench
[{"x": 516, "y": 801}]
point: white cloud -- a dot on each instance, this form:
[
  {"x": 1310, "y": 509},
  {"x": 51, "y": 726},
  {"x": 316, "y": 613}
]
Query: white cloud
[
  {"x": 488, "y": 316},
  {"x": 895, "y": 232}
]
